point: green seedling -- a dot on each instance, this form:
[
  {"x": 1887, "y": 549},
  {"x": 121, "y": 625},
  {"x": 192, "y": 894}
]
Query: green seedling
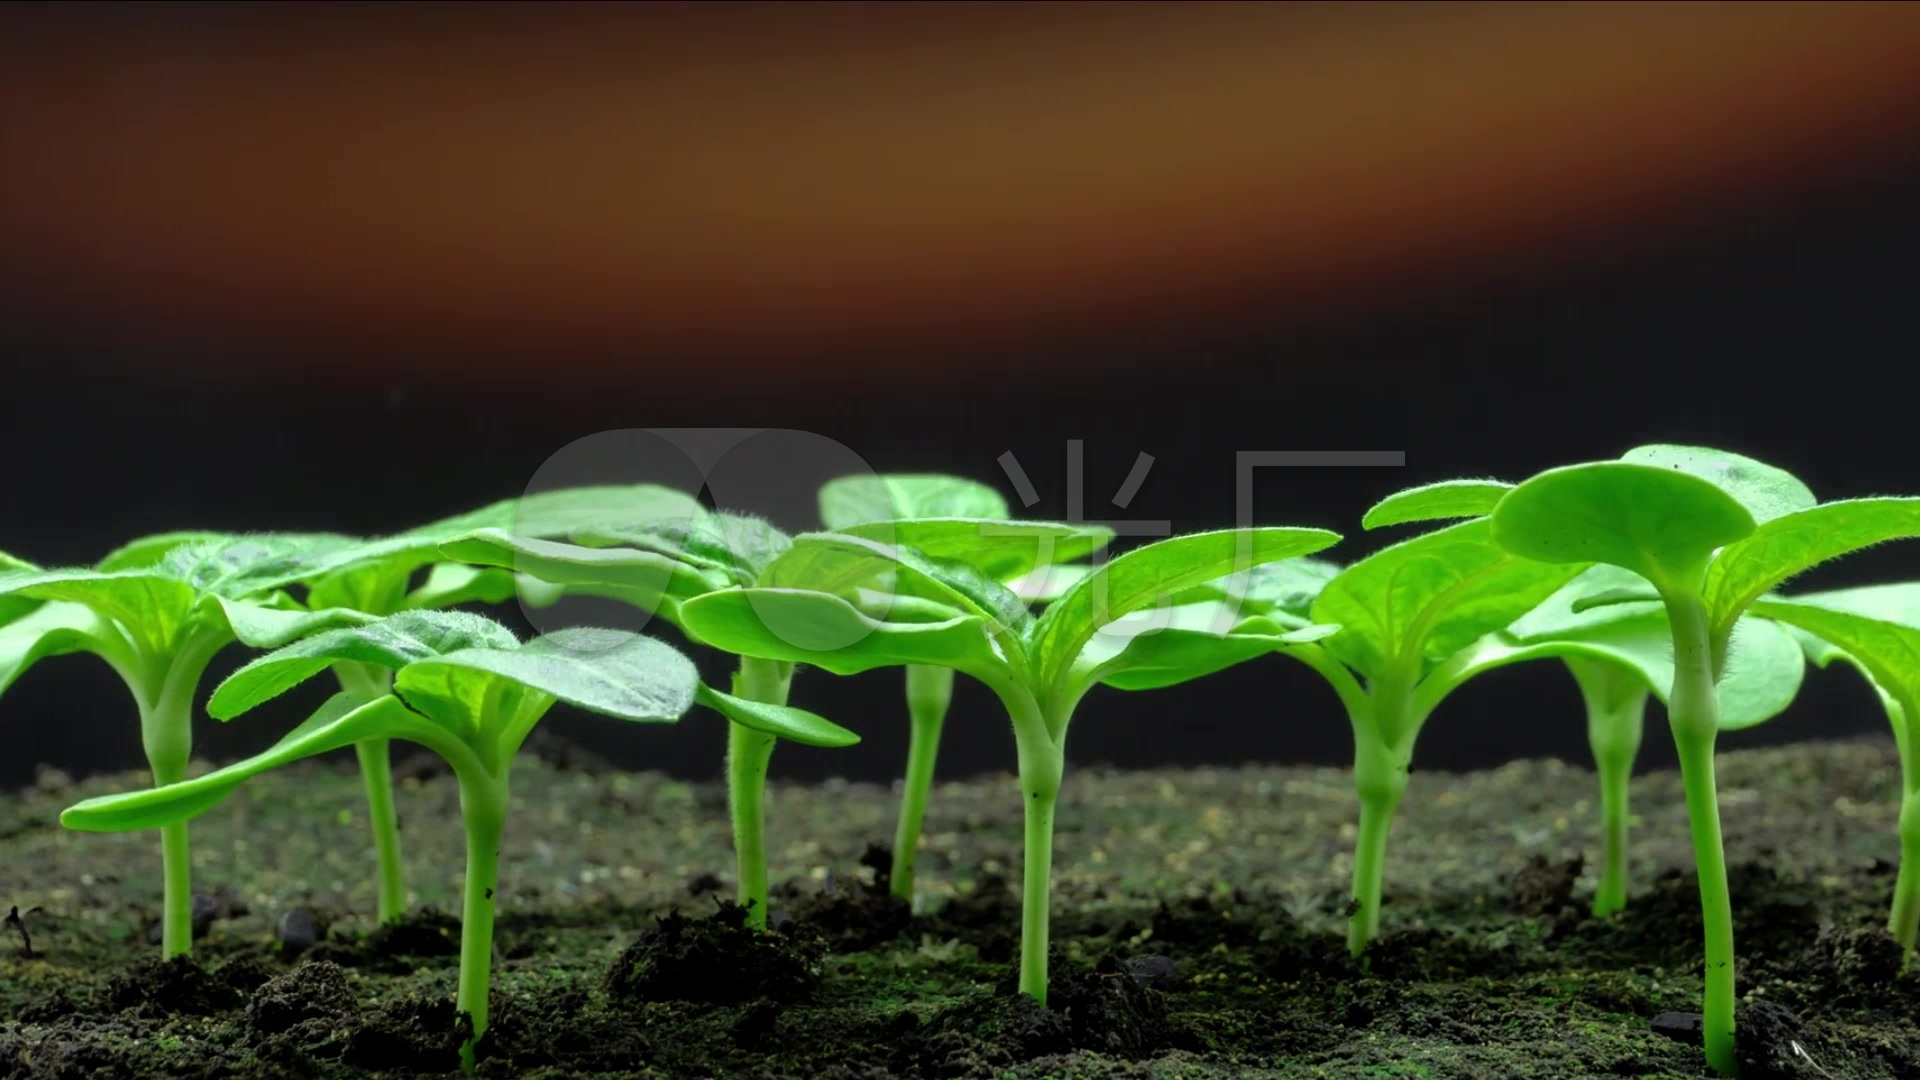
[
  {"x": 657, "y": 567},
  {"x": 378, "y": 578},
  {"x": 157, "y": 611},
  {"x": 861, "y": 505},
  {"x": 1876, "y": 630},
  {"x": 847, "y": 604},
  {"x": 466, "y": 689},
  {"x": 1711, "y": 533}
]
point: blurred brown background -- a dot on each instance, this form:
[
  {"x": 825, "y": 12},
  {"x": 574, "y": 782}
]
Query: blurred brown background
[{"x": 345, "y": 266}]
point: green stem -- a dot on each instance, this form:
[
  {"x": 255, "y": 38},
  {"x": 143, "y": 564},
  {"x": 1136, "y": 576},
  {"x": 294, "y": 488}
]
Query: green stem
[
  {"x": 370, "y": 682},
  {"x": 1904, "y": 923},
  {"x": 1041, "y": 766},
  {"x": 1694, "y": 714},
  {"x": 749, "y": 753},
  {"x": 391, "y": 879},
  {"x": 166, "y": 734},
  {"x": 1380, "y": 780},
  {"x": 1616, "y": 703},
  {"x": 483, "y": 805},
  {"x": 929, "y": 692}
]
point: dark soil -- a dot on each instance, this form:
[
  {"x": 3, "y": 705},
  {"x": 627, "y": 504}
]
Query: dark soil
[{"x": 1198, "y": 932}]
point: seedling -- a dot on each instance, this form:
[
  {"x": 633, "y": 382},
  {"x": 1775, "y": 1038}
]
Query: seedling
[
  {"x": 659, "y": 566},
  {"x": 466, "y": 689},
  {"x": 157, "y": 611},
  {"x": 860, "y": 505},
  {"x": 847, "y": 604},
  {"x": 1712, "y": 533},
  {"x": 377, "y": 578},
  {"x": 1876, "y": 629},
  {"x": 1418, "y": 620}
]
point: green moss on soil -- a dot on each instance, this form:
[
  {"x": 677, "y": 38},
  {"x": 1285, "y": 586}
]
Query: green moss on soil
[{"x": 1198, "y": 926}]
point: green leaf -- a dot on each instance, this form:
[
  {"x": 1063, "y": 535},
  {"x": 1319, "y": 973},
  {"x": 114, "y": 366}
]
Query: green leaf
[
  {"x": 1045, "y": 584},
  {"x": 14, "y": 605},
  {"x": 847, "y": 566},
  {"x": 794, "y": 725},
  {"x": 1432, "y": 502},
  {"x": 56, "y": 629},
  {"x": 648, "y": 580},
  {"x": 450, "y": 584},
  {"x": 1797, "y": 542},
  {"x": 149, "y": 605},
  {"x": 1284, "y": 589},
  {"x": 738, "y": 546},
  {"x": 342, "y": 721},
  {"x": 1898, "y": 602},
  {"x": 1156, "y": 572},
  {"x": 1660, "y": 523},
  {"x": 247, "y": 565},
  {"x": 568, "y": 511},
  {"x": 1886, "y": 652},
  {"x": 862, "y": 498},
  {"x": 1765, "y": 490},
  {"x": 1185, "y": 648},
  {"x": 146, "y": 552},
  {"x": 611, "y": 672},
  {"x": 1411, "y": 605},
  {"x": 803, "y": 626},
  {"x": 1001, "y": 550},
  {"x": 268, "y": 626},
  {"x": 393, "y": 642}
]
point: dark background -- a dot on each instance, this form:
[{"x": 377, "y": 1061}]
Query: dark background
[{"x": 1780, "y": 319}]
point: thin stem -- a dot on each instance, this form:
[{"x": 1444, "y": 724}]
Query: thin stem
[
  {"x": 1041, "y": 766},
  {"x": 1904, "y": 923},
  {"x": 369, "y": 682},
  {"x": 749, "y": 753},
  {"x": 391, "y": 877},
  {"x": 1380, "y": 780},
  {"x": 1693, "y": 712},
  {"x": 929, "y": 692},
  {"x": 166, "y": 734},
  {"x": 483, "y": 805},
  {"x": 1616, "y": 702}
]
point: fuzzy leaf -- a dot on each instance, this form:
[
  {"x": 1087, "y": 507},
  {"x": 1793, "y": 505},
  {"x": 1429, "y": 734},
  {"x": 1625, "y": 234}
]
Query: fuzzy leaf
[
  {"x": 146, "y": 552},
  {"x": 269, "y": 626},
  {"x": 1765, "y": 490},
  {"x": 1660, "y": 523},
  {"x": 1432, "y": 502},
  {"x": 1045, "y": 584},
  {"x": 1002, "y": 550},
  {"x": 862, "y": 498},
  {"x": 1898, "y": 602},
  {"x": 803, "y": 626},
  {"x": 1421, "y": 600},
  {"x": 735, "y": 545},
  {"x": 793, "y": 725},
  {"x": 848, "y": 566},
  {"x": 610, "y": 672},
  {"x": 451, "y": 584},
  {"x": 1886, "y": 652},
  {"x": 342, "y": 721},
  {"x": 393, "y": 642},
  {"x": 55, "y": 629},
  {"x": 1185, "y": 647},
  {"x": 649, "y": 580},
  {"x": 247, "y": 565},
  {"x": 568, "y": 511},
  {"x": 1797, "y": 542},
  {"x": 14, "y": 605},
  {"x": 1147, "y": 575},
  {"x": 1284, "y": 589},
  {"x": 147, "y": 603}
]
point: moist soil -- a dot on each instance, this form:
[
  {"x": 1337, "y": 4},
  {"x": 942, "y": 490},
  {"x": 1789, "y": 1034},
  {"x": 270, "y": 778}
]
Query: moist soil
[{"x": 1198, "y": 931}]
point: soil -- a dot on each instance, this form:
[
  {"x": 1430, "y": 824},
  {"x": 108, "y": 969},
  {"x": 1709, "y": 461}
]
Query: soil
[{"x": 1198, "y": 930}]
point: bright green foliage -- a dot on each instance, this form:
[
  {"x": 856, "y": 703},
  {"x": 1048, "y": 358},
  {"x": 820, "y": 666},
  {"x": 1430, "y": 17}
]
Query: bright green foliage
[
  {"x": 466, "y": 689},
  {"x": 158, "y": 618},
  {"x": 1877, "y": 631},
  {"x": 1039, "y": 667},
  {"x": 1435, "y": 502},
  {"x": 928, "y": 513},
  {"x": 1712, "y": 531}
]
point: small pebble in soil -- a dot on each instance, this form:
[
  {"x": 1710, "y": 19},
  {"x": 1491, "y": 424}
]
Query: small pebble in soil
[
  {"x": 298, "y": 931},
  {"x": 1679, "y": 1026},
  {"x": 1154, "y": 972}
]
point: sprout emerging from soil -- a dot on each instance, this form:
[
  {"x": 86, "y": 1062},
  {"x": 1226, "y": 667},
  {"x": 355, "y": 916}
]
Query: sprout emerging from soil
[
  {"x": 1711, "y": 533},
  {"x": 865, "y": 505},
  {"x": 848, "y": 604},
  {"x": 157, "y": 611},
  {"x": 466, "y": 689},
  {"x": 378, "y": 578}
]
